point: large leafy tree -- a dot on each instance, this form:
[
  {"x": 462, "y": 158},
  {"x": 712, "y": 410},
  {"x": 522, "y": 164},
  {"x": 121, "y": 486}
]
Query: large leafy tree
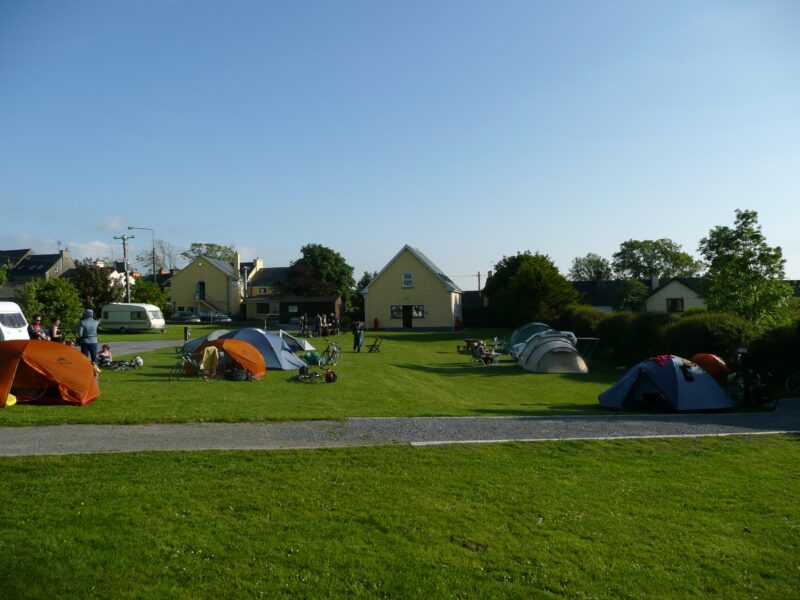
[
  {"x": 745, "y": 275},
  {"x": 147, "y": 292},
  {"x": 50, "y": 298},
  {"x": 529, "y": 287},
  {"x": 631, "y": 295},
  {"x": 210, "y": 250},
  {"x": 320, "y": 271},
  {"x": 95, "y": 286},
  {"x": 591, "y": 267},
  {"x": 642, "y": 259}
]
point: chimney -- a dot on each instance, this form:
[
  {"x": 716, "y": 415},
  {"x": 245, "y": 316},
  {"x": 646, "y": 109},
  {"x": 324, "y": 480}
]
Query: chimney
[{"x": 653, "y": 282}]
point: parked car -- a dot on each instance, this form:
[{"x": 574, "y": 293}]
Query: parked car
[
  {"x": 184, "y": 316},
  {"x": 217, "y": 317}
]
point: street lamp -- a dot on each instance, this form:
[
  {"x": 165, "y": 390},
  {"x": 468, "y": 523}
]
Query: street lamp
[{"x": 152, "y": 233}]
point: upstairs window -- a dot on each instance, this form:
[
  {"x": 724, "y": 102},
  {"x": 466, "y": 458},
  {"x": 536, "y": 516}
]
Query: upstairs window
[{"x": 408, "y": 280}]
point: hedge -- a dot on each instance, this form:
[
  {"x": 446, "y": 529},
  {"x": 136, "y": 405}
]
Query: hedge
[{"x": 716, "y": 333}]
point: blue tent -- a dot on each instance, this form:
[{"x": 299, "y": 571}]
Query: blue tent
[
  {"x": 276, "y": 353},
  {"x": 666, "y": 383}
]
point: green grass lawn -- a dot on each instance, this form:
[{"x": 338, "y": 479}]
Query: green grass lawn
[
  {"x": 415, "y": 374},
  {"x": 715, "y": 517}
]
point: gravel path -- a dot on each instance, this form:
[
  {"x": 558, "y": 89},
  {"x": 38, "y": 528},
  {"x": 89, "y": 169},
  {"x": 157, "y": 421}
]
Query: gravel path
[{"x": 84, "y": 439}]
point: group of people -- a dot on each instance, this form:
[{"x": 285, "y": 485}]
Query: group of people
[{"x": 86, "y": 336}]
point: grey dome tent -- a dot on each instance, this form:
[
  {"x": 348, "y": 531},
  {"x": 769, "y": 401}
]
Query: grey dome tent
[
  {"x": 296, "y": 344},
  {"x": 272, "y": 347},
  {"x": 666, "y": 383},
  {"x": 552, "y": 352},
  {"x": 192, "y": 345},
  {"x": 524, "y": 332}
]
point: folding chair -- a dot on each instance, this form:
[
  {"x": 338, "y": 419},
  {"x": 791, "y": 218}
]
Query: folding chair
[{"x": 375, "y": 346}]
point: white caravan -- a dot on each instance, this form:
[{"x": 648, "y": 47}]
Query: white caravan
[
  {"x": 124, "y": 317},
  {"x": 13, "y": 325}
]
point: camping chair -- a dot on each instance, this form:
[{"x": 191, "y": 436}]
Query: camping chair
[{"x": 375, "y": 346}]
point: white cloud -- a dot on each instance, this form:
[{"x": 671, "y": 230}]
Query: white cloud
[{"x": 114, "y": 224}]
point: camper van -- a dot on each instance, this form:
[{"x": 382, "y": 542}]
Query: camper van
[
  {"x": 124, "y": 317},
  {"x": 13, "y": 325}
]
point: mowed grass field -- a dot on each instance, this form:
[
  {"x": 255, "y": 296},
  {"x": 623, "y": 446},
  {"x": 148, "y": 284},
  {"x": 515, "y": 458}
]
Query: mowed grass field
[
  {"x": 415, "y": 374},
  {"x": 691, "y": 518}
]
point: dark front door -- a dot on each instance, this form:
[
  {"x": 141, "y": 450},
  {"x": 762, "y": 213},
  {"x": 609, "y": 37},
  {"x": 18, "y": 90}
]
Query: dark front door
[{"x": 407, "y": 316}]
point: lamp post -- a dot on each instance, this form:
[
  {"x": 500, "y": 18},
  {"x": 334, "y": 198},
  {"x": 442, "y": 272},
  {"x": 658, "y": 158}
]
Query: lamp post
[{"x": 153, "y": 234}]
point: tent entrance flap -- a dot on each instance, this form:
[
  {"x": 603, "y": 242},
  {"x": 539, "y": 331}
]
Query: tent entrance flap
[{"x": 645, "y": 393}]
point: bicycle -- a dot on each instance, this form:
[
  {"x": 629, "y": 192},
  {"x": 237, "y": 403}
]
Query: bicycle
[
  {"x": 330, "y": 356},
  {"x": 792, "y": 383},
  {"x": 185, "y": 366}
]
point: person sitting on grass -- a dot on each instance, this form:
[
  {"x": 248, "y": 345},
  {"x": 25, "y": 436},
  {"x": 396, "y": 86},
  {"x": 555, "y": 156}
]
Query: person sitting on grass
[{"x": 104, "y": 357}]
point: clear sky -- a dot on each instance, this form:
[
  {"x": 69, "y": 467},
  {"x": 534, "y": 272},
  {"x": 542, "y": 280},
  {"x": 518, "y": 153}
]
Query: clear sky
[{"x": 469, "y": 130}]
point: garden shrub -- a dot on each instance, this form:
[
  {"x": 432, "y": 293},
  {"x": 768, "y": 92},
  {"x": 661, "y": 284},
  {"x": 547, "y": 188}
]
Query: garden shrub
[
  {"x": 642, "y": 337},
  {"x": 582, "y": 320},
  {"x": 611, "y": 331},
  {"x": 717, "y": 333},
  {"x": 778, "y": 350}
]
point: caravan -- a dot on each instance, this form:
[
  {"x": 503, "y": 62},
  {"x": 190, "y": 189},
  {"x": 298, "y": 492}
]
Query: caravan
[
  {"x": 124, "y": 317},
  {"x": 13, "y": 325}
]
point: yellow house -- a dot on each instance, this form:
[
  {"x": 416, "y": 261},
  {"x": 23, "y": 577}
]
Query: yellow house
[
  {"x": 207, "y": 284},
  {"x": 412, "y": 293}
]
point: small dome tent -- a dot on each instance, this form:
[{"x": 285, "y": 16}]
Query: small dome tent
[
  {"x": 244, "y": 354},
  {"x": 666, "y": 383},
  {"x": 552, "y": 352},
  {"x": 43, "y": 372}
]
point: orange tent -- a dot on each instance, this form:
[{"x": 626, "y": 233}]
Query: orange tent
[
  {"x": 243, "y": 353},
  {"x": 714, "y": 366},
  {"x": 45, "y": 372}
]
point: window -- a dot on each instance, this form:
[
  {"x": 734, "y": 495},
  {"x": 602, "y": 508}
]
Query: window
[
  {"x": 674, "y": 305},
  {"x": 408, "y": 280},
  {"x": 262, "y": 308},
  {"x": 262, "y": 290},
  {"x": 138, "y": 315},
  {"x": 292, "y": 309},
  {"x": 396, "y": 311},
  {"x": 418, "y": 311}
]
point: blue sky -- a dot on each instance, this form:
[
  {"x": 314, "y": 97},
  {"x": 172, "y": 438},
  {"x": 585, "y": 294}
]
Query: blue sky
[{"x": 469, "y": 130}]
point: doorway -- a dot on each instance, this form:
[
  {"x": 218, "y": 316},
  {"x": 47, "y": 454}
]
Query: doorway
[{"x": 407, "y": 313}]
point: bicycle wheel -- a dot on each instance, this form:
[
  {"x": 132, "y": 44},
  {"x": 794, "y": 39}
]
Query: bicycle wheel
[
  {"x": 793, "y": 382},
  {"x": 177, "y": 371}
]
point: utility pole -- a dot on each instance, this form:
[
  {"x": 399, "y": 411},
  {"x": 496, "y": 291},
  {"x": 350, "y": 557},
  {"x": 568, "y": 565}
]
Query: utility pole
[
  {"x": 125, "y": 239},
  {"x": 479, "y": 282}
]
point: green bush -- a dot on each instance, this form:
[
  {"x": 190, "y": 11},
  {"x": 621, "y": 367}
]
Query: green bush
[
  {"x": 612, "y": 333},
  {"x": 642, "y": 336},
  {"x": 631, "y": 337},
  {"x": 582, "y": 320},
  {"x": 778, "y": 350},
  {"x": 717, "y": 333}
]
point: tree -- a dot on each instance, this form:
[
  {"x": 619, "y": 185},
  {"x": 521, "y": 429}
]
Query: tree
[
  {"x": 3, "y": 274},
  {"x": 745, "y": 275},
  {"x": 209, "y": 250},
  {"x": 50, "y": 298},
  {"x": 631, "y": 296},
  {"x": 321, "y": 271},
  {"x": 95, "y": 286},
  {"x": 166, "y": 257},
  {"x": 591, "y": 267},
  {"x": 147, "y": 292},
  {"x": 358, "y": 299},
  {"x": 642, "y": 259},
  {"x": 528, "y": 287}
]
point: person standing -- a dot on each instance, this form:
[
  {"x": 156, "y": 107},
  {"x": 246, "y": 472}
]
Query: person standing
[
  {"x": 87, "y": 335},
  {"x": 360, "y": 336},
  {"x": 354, "y": 330},
  {"x": 56, "y": 335}
]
